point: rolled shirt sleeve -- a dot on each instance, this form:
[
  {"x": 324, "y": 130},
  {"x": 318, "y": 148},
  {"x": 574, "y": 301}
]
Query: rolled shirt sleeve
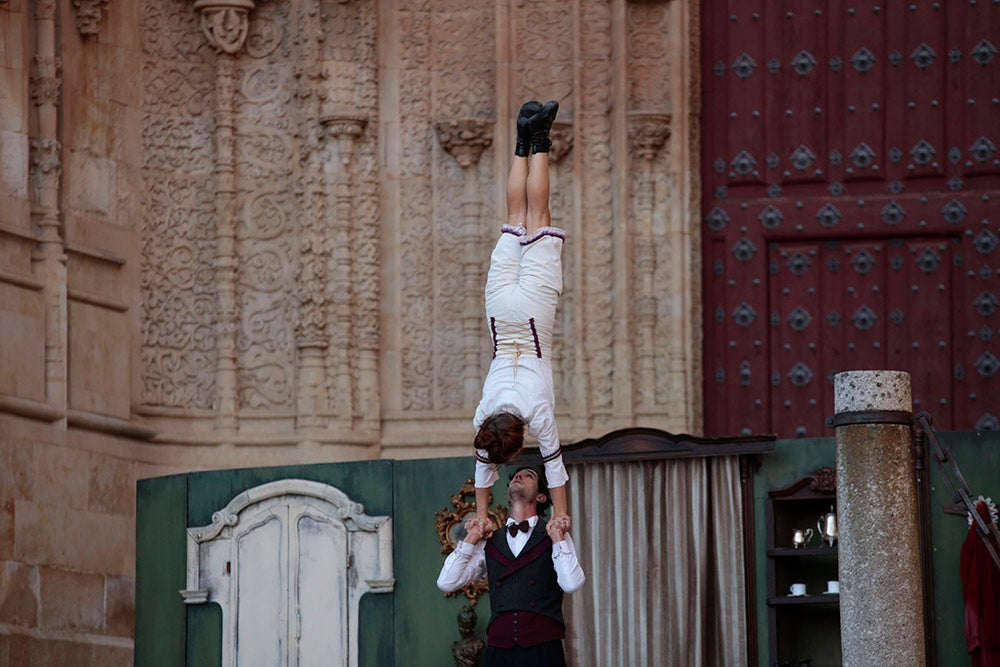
[
  {"x": 486, "y": 473},
  {"x": 464, "y": 565},
  {"x": 543, "y": 428},
  {"x": 569, "y": 573}
]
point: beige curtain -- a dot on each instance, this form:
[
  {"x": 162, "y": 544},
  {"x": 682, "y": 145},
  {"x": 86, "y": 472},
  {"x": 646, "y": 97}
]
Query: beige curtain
[{"x": 661, "y": 543}]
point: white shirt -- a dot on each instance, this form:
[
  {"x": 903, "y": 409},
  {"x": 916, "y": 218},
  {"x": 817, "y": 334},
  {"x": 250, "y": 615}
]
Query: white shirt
[
  {"x": 526, "y": 392},
  {"x": 467, "y": 562}
]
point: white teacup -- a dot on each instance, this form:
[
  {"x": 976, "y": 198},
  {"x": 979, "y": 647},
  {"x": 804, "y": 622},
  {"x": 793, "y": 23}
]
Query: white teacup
[
  {"x": 833, "y": 586},
  {"x": 797, "y": 590}
]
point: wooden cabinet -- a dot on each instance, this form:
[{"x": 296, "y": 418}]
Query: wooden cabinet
[{"x": 804, "y": 627}]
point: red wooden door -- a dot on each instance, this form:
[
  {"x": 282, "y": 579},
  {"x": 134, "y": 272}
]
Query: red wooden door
[{"x": 851, "y": 201}]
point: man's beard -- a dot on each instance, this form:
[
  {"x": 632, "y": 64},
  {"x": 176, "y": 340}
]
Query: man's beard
[{"x": 518, "y": 492}]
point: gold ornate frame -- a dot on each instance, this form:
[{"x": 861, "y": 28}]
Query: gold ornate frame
[{"x": 450, "y": 527}]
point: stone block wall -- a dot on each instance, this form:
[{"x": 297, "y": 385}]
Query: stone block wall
[{"x": 67, "y": 546}]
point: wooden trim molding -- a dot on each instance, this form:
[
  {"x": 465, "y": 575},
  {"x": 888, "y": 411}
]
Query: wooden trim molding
[{"x": 641, "y": 444}]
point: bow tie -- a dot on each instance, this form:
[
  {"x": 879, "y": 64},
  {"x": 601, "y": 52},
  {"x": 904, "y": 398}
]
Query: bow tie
[{"x": 515, "y": 528}]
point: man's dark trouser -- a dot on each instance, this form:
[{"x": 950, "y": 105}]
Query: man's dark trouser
[{"x": 549, "y": 654}]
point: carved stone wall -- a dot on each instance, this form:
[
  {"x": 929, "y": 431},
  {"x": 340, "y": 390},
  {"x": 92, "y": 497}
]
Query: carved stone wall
[{"x": 254, "y": 232}]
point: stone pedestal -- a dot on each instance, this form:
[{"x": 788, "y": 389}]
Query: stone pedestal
[{"x": 881, "y": 602}]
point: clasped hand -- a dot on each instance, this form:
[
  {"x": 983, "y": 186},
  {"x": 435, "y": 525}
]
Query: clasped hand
[{"x": 478, "y": 528}]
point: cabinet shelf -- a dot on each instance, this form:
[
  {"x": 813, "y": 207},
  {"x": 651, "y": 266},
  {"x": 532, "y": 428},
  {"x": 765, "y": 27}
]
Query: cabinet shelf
[
  {"x": 832, "y": 598},
  {"x": 807, "y": 624},
  {"x": 790, "y": 552}
]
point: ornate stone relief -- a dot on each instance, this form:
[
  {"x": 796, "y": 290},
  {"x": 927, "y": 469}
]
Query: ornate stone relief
[
  {"x": 88, "y": 15},
  {"x": 658, "y": 219},
  {"x": 648, "y": 134},
  {"x": 294, "y": 285},
  {"x": 46, "y": 161},
  {"x": 596, "y": 183},
  {"x": 225, "y": 23},
  {"x": 416, "y": 209},
  {"x": 46, "y": 80},
  {"x": 178, "y": 260},
  {"x": 465, "y": 140},
  {"x": 262, "y": 243},
  {"x": 543, "y": 33}
]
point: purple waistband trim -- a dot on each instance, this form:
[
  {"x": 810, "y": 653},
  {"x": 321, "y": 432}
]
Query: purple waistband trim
[
  {"x": 511, "y": 229},
  {"x": 545, "y": 231},
  {"x": 481, "y": 459},
  {"x": 493, "y": 329},
  {"x": 534, "y": 337},
  {"x": 554, "y": 455}
]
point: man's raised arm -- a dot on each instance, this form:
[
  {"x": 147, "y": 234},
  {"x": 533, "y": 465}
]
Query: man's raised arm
[{"x": 467, "y": 562}]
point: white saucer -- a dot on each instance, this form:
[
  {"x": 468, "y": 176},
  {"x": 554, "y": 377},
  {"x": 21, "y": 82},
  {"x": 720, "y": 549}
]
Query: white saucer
[
  {"x": 797, "y": 595},
  {"x": 831, "y": 592}
]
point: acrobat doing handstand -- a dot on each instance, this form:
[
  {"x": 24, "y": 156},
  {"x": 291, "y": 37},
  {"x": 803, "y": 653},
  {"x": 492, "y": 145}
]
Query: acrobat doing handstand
[{"x": 522, "y": 291}]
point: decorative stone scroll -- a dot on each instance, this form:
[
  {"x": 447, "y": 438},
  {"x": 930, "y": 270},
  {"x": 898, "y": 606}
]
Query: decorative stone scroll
[{"x": 293, "y": 554}]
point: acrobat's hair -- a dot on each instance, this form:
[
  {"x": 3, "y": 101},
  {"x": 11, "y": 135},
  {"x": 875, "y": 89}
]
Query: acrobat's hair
[{"x": 501, "y": 436}]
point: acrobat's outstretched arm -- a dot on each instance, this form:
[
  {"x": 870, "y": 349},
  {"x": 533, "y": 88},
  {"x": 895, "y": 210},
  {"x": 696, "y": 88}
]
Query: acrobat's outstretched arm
[
  {"x": 558, "y": 494},
  {"x": 482, "y": 503}
]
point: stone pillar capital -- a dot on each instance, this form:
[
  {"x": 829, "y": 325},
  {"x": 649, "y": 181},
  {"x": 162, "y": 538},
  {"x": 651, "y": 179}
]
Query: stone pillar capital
[
  {"x": 465, "y": 139},
  {"x": 867, "y": 391},
  {"x": 648, "y": 132},
  {"x": 225, "y": 23},
  {"x": 344, "y": 129},
  {"x": 561, "y": 135},
  {"x": 88, "y": 15}
]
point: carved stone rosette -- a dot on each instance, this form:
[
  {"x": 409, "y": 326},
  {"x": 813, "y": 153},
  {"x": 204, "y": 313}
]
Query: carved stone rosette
[{"x": 225, "y": 23}]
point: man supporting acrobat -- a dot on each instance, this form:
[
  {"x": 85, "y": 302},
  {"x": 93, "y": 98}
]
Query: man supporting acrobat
[{"x": 529, "y": 565}]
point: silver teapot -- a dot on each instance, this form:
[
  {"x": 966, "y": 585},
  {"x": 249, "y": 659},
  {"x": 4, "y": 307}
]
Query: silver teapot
[
  {"x": 827, "y": 527},
  {"x": 800, "y": 538}
]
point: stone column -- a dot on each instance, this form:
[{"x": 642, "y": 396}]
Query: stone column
[
  {"x": 648, "y": 134},
  {"x": 344, "y": 130},
  {"x": 881, "y": 602},
  {"x": 225, "y": 24},
  {"x": 49, "y": 258}
]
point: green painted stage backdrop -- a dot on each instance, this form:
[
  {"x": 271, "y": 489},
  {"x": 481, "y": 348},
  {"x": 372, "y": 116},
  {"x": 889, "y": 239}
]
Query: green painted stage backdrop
[
  {"x": 978, "y": 455},
  {"x": 413, "y": 625}
]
